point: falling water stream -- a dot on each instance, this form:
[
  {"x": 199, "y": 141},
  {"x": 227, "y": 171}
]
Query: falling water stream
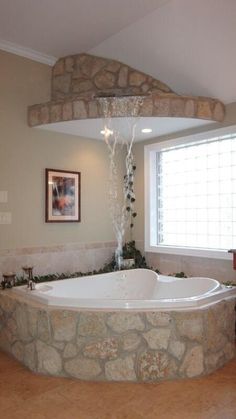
[{"x": 113, "y": 136}]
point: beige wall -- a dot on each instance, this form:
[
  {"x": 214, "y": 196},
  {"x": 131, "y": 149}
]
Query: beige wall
[
  {"x": 171, "y": 263},
  {"x": 26, "y": 152}
]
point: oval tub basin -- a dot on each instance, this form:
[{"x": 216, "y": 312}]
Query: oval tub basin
[{"x": 129, "y": 289}]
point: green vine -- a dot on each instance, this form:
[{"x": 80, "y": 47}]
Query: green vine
[
  {"x": 129, "y": 251},
  {"x": 130, "y": 197}
]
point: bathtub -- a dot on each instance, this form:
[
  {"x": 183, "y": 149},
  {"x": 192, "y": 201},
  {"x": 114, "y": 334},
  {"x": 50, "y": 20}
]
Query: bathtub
[
  {"x": 130, "y": 325},
  {"x": 131, "y": 289}
]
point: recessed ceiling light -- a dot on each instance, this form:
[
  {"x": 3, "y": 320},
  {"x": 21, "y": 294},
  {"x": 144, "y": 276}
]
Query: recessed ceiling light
[
  {"x": 106, "y": 131},
  {"x": 146, "y": 130}
]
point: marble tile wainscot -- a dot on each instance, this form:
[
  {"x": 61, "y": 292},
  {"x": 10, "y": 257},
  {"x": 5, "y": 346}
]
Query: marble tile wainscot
[
  {"x": 72, "y": 257},
  {"x": 115, "y": 345}
]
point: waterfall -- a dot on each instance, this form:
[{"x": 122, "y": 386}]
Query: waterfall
[{"x": 120, "y": 216}]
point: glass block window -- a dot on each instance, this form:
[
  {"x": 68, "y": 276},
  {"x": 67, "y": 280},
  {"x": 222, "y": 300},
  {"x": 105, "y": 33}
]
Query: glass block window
[{"x": 196, "y": 194}]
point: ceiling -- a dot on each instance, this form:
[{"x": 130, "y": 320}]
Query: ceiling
[
  {"x": 187, "y": 44},
  {"x": 59, "y": 27}
]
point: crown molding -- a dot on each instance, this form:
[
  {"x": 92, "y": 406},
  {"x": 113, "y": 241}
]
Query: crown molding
[{"x": 27, "y": 52}]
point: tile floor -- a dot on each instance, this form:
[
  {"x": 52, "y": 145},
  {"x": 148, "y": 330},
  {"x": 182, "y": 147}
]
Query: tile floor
[{"x": 24, "y": 395}]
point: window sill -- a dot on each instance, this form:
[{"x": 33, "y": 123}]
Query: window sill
[{"x": 184, "y": 251}]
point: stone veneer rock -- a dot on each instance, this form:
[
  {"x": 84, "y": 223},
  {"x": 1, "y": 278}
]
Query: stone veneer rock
[
  {"x": 77, "y": 80},
  {"x": 117, "y": 346}
]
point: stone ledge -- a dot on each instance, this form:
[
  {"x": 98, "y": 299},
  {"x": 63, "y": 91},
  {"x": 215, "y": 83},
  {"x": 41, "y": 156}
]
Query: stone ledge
[{"x": 154, "y": 105}]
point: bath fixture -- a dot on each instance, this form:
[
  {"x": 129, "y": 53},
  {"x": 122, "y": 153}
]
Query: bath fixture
[
  {"x": 9, "y": 280},
  {"x": 130, "y": 289},
  {"x": 29, "y": 271},
  {"x": 118, "y": 95},
  {"x": 32, "y": 285},
  {"x": 123, "y": 326}
]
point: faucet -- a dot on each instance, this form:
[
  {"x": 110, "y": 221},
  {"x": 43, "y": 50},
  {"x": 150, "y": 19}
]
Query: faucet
[
  {"x": 9, "y": 280},
  {"x": 31, "y": 285},
  {"x": 30, "y": 282}
]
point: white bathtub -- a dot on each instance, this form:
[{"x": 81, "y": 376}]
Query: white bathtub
[{"x": 131, "y": 289}]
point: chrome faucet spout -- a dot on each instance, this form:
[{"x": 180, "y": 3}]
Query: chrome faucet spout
[{"x": 31, "y": 285}]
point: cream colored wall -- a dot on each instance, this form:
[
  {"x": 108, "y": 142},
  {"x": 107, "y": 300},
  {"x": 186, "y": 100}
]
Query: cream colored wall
[
  {"x": 26, "y": 152},
  {"x": 171, "y": 263}
]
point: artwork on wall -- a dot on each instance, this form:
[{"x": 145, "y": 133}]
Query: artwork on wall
[{"x": 62, "y": 196}]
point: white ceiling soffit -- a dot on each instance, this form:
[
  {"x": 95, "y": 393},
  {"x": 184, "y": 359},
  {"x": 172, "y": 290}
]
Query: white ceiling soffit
[
  {"x": 90, "y": 128},
  {"x": 57, "y": 28}
]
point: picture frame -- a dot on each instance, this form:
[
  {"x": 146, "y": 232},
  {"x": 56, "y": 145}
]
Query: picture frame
[{"x": 62, "y": 203}]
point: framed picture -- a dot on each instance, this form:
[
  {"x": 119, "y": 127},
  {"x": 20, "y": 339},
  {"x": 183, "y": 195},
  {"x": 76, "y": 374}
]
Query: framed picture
[{"x": 62, "y": 196}]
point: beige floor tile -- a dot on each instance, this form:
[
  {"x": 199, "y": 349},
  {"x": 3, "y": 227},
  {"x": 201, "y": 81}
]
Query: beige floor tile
[{"x": 24, "y": 395}]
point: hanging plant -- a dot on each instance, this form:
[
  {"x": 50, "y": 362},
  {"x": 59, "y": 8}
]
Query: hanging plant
[{"x": 130, "y": 196}]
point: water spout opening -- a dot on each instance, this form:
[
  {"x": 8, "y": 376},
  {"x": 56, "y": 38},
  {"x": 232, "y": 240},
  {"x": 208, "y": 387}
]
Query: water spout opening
[{"x": 104, "y": 95}]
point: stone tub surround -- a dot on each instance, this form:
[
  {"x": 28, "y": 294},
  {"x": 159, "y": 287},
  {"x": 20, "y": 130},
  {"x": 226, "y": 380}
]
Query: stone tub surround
[
  {"x": 73, "y": 257},
  {"x": 78, "y": 79},
  {"x": 117, "y": 346}
]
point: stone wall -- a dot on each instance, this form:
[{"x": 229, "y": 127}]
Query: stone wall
[
  {"x": 115, "y": 345},
  {"x": 88, "y": 75}
]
